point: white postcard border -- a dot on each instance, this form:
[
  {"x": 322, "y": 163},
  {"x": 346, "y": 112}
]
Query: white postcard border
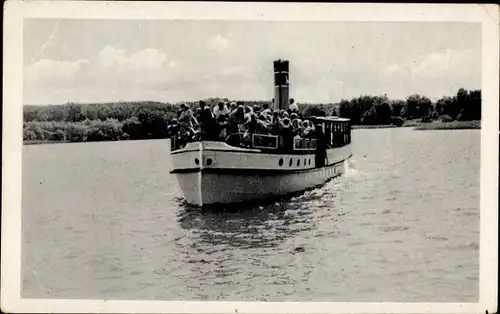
[{"x": 16, "y": 11}]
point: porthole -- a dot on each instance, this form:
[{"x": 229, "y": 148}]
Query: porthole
[
  {"x": 290, "y": 163},
  {"x": 298, "y": 162},
  {"x": 305, "y": 163},
  {"x": 197, "y": 161},
  {"x": 280, "y": 162},
  {"x": 309, "y": 161},
  {"x": 209, "y": 161}
]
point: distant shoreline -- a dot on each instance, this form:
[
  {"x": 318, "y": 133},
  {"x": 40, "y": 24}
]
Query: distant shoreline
[
  {"x": 454, "y": 125},
  {"x": 420, "y": 126},
  {"x": 39, "y": 142}
]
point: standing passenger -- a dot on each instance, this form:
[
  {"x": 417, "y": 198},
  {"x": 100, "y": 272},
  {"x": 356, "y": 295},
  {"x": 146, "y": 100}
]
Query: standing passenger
[
  {"x": 237, "y": 119},
  {"x": 293, "y": 106},
  {"x": 288, "y": 134},
  {"x": 265, "y": 110},
  {"x": 223, "y": 127},
  {"x": 233, "y": 106},
  {"x": 186, "y": 116},
  {"x": 202, "y": 105},
  {"x": 208, "y": 126},
  {"x": 256, "y": 110},
  {"x": 275, "y": 123},
  {"x": 221, "y": 110},
  {"x": 262, "y": 126}
]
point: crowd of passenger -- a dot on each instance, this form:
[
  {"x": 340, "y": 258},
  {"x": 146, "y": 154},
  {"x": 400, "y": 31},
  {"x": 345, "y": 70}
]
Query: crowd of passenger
[{"x": 226, "y": 118}]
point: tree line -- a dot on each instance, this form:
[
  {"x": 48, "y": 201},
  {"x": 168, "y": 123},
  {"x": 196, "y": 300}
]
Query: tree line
[
  {"x": 369, "y": 110},
  {"x": 149, "y": 120}
]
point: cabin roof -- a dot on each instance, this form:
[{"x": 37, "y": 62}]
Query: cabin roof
[{"x": 332, "y": 119}]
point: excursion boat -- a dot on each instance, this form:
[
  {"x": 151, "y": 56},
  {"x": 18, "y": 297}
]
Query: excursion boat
[{"x": 225, "y": 172}]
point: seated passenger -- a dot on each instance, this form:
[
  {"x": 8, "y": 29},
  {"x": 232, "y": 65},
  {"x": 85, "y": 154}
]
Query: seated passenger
[
  {"x": 308, "y": 129},
  {"x": 283, "y": 113},
  {"x": 295, "y": 124},
  {"x": 282, "y": 119},
  {"x": 300, "y": 127}
]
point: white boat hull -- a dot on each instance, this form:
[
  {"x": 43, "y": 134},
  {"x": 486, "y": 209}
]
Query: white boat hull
[
  {"x": 234, "y": 176},
  {"x": 206, "y": 188}
]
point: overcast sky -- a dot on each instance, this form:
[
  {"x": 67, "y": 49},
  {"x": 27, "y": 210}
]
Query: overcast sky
[{"x": 113, "y": 60}]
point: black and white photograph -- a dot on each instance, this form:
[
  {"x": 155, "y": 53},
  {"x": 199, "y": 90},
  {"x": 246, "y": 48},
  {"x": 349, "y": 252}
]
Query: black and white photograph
[{"x": 224, "y": 157}]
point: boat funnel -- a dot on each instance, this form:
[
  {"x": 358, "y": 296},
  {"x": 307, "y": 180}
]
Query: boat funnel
[{"x": 281, "y": 85}]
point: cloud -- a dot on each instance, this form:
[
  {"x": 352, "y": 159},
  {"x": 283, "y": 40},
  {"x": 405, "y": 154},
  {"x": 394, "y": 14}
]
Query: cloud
[
  {"x": 234, "y": 59},
  {"x": 445, "y": 71},
  {"x": 47, "y": 72},
  {"x": 147, "y": 69},
  {"x": 218, "y": 43},
  {"x": 393, "y": 68},
  {"x": 446, "y": 62},
  {"x": 147, "y": 59},
  {"x": 172, "y": 64},
  {"x": 113, "y": 73}
]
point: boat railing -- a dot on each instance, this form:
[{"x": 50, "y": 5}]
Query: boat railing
[
  {"x": 234, "y": 139},
  {"x": 304, "y": 144},
  {"x": 177, "y": 142},
  {"x": 258, "y": 141}
]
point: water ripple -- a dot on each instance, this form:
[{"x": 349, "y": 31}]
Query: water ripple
[{"x": 401, "y": 214}]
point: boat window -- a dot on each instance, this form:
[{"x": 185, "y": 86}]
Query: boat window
[
  {"x": 298, "y": 162},
  {"x": 265, "y": 141},
  {"x": 304, "y": 144},
  {"x": 197, "y": 161},
  {"x": 280, "y": 162},
  {"x": 341, "y": 133},
  {"x": 290, "y": 163},
  {"x": 345, "y": 133}
]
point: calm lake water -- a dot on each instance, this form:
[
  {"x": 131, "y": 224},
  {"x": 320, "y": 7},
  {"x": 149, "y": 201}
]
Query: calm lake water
[{"x": 104, "y": 221}]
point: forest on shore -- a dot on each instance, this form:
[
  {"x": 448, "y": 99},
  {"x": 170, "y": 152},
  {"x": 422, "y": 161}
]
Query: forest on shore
[{"x": 73, "y": 122}]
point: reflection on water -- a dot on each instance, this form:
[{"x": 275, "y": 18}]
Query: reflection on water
[
  {"x": 248, "y": 227},
  {"x": 115, "y": 227}
]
